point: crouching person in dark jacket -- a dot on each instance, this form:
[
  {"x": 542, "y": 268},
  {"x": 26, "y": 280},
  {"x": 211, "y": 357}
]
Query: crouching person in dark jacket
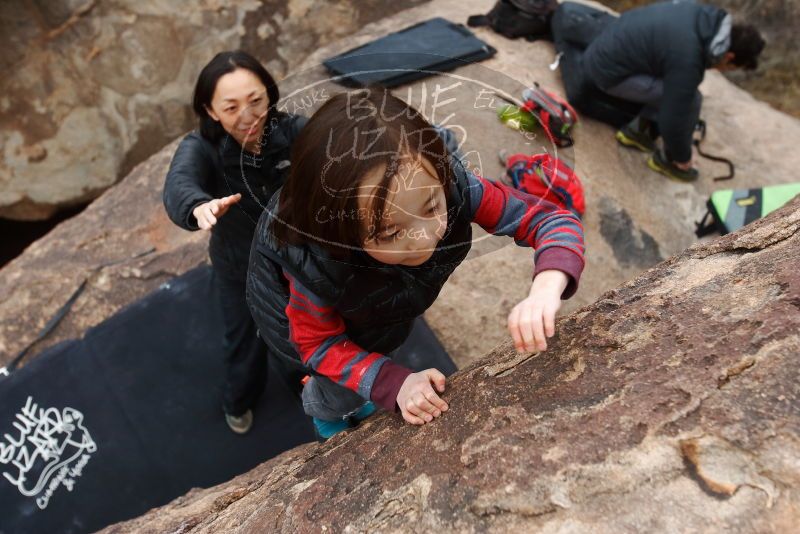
[
  {"x": 219, "y": 180},
  {"x": 657, "y": 56}
]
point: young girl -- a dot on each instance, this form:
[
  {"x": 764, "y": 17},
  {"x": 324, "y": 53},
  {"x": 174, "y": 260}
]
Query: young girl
[
  {"x": 219, "y": 180},
  {"x": 374, "y": 218}
]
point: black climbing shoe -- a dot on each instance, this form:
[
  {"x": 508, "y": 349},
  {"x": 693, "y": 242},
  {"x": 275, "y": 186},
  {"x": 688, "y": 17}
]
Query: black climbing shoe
[
  {"x": 658, "y": 162},
  {"x": 636, "y": 135}
]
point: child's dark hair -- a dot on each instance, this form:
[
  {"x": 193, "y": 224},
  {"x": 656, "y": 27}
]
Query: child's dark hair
[
  {"x": 350, "y": 136},
  {"x": 746, "y": 45},
  {"x": 222, "y": 64}
]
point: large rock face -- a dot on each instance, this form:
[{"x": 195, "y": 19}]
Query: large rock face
[
  {"x": 123, "y": 244},
  {"x": 93, "y": 88},
  {"x": 672, "y": 404}
]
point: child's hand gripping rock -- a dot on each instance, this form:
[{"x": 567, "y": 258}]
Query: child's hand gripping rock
[
  {"x": 418, "y": 401},
  {"x": 533, "y": 320}
]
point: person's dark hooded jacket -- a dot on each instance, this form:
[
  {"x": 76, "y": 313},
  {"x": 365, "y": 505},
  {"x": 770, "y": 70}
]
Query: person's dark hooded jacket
[
  {"x": 201, "y": 171},
  {"x": 673, "y": 41}
]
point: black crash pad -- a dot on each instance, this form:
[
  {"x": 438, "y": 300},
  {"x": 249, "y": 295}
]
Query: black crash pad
[
  {"x": 424, "y": 49},
  {"x": 102, "y": 429}
]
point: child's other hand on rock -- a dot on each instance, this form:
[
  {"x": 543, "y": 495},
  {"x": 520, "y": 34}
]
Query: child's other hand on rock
[
  {"x": 418, "y": 401},
  {"x": 533, "y": 320}
]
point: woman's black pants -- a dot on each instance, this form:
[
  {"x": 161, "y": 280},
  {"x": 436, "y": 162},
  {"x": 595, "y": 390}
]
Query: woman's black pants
[{"x": 245, "y": 353}]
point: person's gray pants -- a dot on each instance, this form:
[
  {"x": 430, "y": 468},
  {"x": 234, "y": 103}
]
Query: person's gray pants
[{"x": 647, "y": 90}]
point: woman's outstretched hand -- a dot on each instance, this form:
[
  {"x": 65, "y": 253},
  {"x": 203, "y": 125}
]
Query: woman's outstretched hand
[
  {"x": 533, "y": 320},
  {"x": 208, "y": 213}
]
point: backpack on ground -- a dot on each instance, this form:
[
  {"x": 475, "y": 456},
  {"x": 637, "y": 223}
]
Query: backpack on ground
[
  {"x": 555, "y": 114},
  {"x": 548, "y": 178},
  {"x": 730, "y": 209},
  {"x": 518, "y": 18}
]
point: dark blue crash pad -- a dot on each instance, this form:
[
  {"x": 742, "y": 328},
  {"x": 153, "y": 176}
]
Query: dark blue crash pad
[
  {"x": 102, "y": 429},
  {"x": 424, "y": 49}
]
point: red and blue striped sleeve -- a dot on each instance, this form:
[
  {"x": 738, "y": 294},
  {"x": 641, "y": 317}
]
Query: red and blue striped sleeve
[
  {"x": 555, "y": 234},
  {"x": 318, "y": 334}
]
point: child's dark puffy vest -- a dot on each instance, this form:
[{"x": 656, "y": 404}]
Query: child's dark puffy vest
[{"x": 378, "y": 302}]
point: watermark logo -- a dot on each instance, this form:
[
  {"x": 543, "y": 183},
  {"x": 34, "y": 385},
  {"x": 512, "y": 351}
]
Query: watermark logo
[
  {"x": 47, "y": 449},
  {"x": 465, "y": 107}
]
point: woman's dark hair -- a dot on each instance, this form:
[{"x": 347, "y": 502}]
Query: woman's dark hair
[
  {"x": 746, "y": 45},
  {"x": 222, "y": 64},
  {"x": 352, "y": 135}
]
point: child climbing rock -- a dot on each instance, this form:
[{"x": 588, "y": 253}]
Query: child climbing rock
[{"x": 373, "y": 219}]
